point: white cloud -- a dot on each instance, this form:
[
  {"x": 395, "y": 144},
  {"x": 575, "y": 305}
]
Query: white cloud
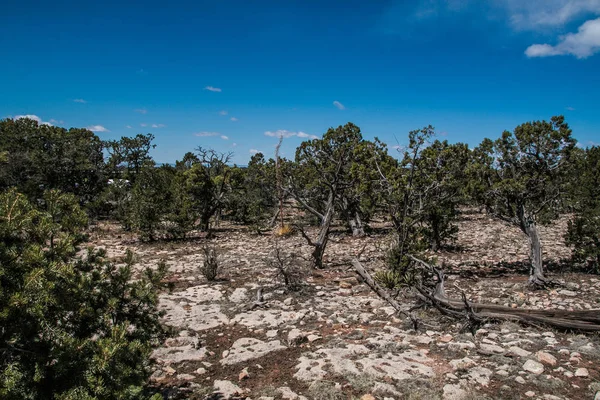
[
  {"x": 570, "y": 108},
  {"x": 143, "y": 125},
  {"x": 82, "y": 101},
  {"x": 35, "y": 118},
  {"x": 97, "y": 128},
  {"x": 233, "y": 144},
  {"x": 287, "y": 134},
  {"x": 544, "y": 14},
  {"x": 158, "y": 125},
  {"x": 234, "y": 119},
  {"x": 339, "y": 105},
  {"x": 141, "y": 110},
  {"x": 582, "y": 44},
  {"x": 213, "y": 89},
  {"x": 306, "y": 135},
  {"x": 128, "y": 126},
  {"x": 30, "y": 116},
  {"x": 224, "y": 137},
  {"x": 254, "y": 151},
  {"x": 223, "y": 112},
  {"x": 207, "y": 134}
]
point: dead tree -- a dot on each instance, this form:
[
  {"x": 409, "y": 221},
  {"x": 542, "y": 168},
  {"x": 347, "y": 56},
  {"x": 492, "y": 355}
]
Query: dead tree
[{"x": 474, "y": 314}]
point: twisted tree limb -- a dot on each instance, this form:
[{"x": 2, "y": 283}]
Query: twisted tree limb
[{"x": 476, "y": 313}]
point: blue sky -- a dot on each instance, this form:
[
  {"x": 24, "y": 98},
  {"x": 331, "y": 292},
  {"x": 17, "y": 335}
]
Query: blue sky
[{"x": 233, "y": 75}]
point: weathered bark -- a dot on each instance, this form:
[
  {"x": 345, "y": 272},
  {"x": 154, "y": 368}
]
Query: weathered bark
[
  {"x": 536, "y": 272},
  {"x": 529, "y": 228},
  {"x": 356, "y": 225},
  {"x": 323, "y": 236}
]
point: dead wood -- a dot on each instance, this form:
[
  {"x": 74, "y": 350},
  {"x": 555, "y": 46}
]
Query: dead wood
[{"x": 474, "y": 314}]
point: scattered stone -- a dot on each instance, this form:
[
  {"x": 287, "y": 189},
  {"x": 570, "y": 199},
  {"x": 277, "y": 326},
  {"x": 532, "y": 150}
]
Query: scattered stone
[
  {"x": 367, "y": 397},
  {"x": 546, "y": 358},
  {"x": 491, "y": 348},
  {"x": 445, "y": 338},
  {"x": 244, "y": 374},
  {"x": 296, "y": 337},
  {"x": 530, "y": 394},
  {"x": 566, "y": 292},
  {"x": 227, "y": 388},
  {"x": 534, "y": 367},
  {"x": 462, "y": 364},
  {"x": 454, "y": 392},
  {"x": 582, "y": 372},
  {"x": 519, "y": 379},
  {"x": 519, "y": 352}
]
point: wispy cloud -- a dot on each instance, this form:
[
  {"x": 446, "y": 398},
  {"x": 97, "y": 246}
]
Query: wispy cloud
[
  {"x": 97, "y": 128},
  {"x": 141, "y": 110},
  {"x": 254, "y": 151},
  {"x": 82, "y": 101},
  {"x": 287, "y": 134},
  {"x": 128, "y": 126},
  {"x": 570, "y": 108},
  {"x": 234, "y": 119},
  {"x": 207, "y": 134},
  {"x": 582, "y": 44},
  {"x": 545, "y": 14},
  {"x": 339, "y": 105},
  {"x": 53, "y": 121},
  {"x": 233, "y": 144},
  {"x": 213, "y": 89},
  {"x": 158, "y": 125},
  {"x": 223, "y": 112},
  {"x": 224, "y": 137},
  {"x": 143, "y": 125}
]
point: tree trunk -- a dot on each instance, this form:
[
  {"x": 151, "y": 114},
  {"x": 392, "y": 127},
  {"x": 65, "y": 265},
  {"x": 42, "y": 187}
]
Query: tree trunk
[
  {"x": 323, "y": 237},
  {"x": 536, "y": 272},
  {"x": 529, "y": 228},
  {"x": 356, "y": 225}
]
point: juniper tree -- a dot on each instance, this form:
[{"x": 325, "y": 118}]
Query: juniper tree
[
  {"x": 520, "y": 178},
  {"x": 584, "y": 230}
]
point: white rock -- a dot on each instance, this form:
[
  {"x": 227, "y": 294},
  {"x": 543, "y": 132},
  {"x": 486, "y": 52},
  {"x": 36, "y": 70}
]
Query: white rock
[
  {"x": 227, "y": 388},
  {"x": 582, "y": 372},
  {"x": 454, "y": 392},
  {"x": 534, "y": 367}
]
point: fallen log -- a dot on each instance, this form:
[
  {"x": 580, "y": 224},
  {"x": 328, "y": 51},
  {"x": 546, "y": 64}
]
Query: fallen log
[{"x": 583, "y": 320}]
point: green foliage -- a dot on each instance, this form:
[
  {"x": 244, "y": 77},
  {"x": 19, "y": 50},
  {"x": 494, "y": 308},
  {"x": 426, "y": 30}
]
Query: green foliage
[
  {"x": 521, "y": 179},
  {"x": 72, "y": 327},
  {"x": 150, "y": 200},
  {"x": 36, "y": 158},
  {"x": 521, "y": 176},
  {"x": 128, "y": 156},
  {"x": 208, "y": 184},
  {"x": 584, "y": 230},
  {"x": 253, "y": 191}
]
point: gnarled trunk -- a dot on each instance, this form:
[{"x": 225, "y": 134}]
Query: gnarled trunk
[
  {"x": 536, "y": 269},
  {"x": 357, "y": 226},
  {"x": 323, "y": 237}
]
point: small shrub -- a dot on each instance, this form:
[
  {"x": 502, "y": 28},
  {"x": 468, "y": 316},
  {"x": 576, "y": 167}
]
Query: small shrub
[
  {"x": 288, "y": 268},
  {"x": 210, "y": 266}
]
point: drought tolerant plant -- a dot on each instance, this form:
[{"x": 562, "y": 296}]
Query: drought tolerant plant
[{"x": 72, "y": 326}]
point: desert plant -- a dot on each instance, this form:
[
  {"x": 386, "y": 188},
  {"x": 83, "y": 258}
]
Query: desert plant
[
  {"x": 288, "y": 268},
  {"x": 210, "y": 265}
]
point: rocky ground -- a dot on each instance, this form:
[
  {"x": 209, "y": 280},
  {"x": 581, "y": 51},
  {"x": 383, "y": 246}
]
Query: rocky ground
[{"x": 335, "y": 339}]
